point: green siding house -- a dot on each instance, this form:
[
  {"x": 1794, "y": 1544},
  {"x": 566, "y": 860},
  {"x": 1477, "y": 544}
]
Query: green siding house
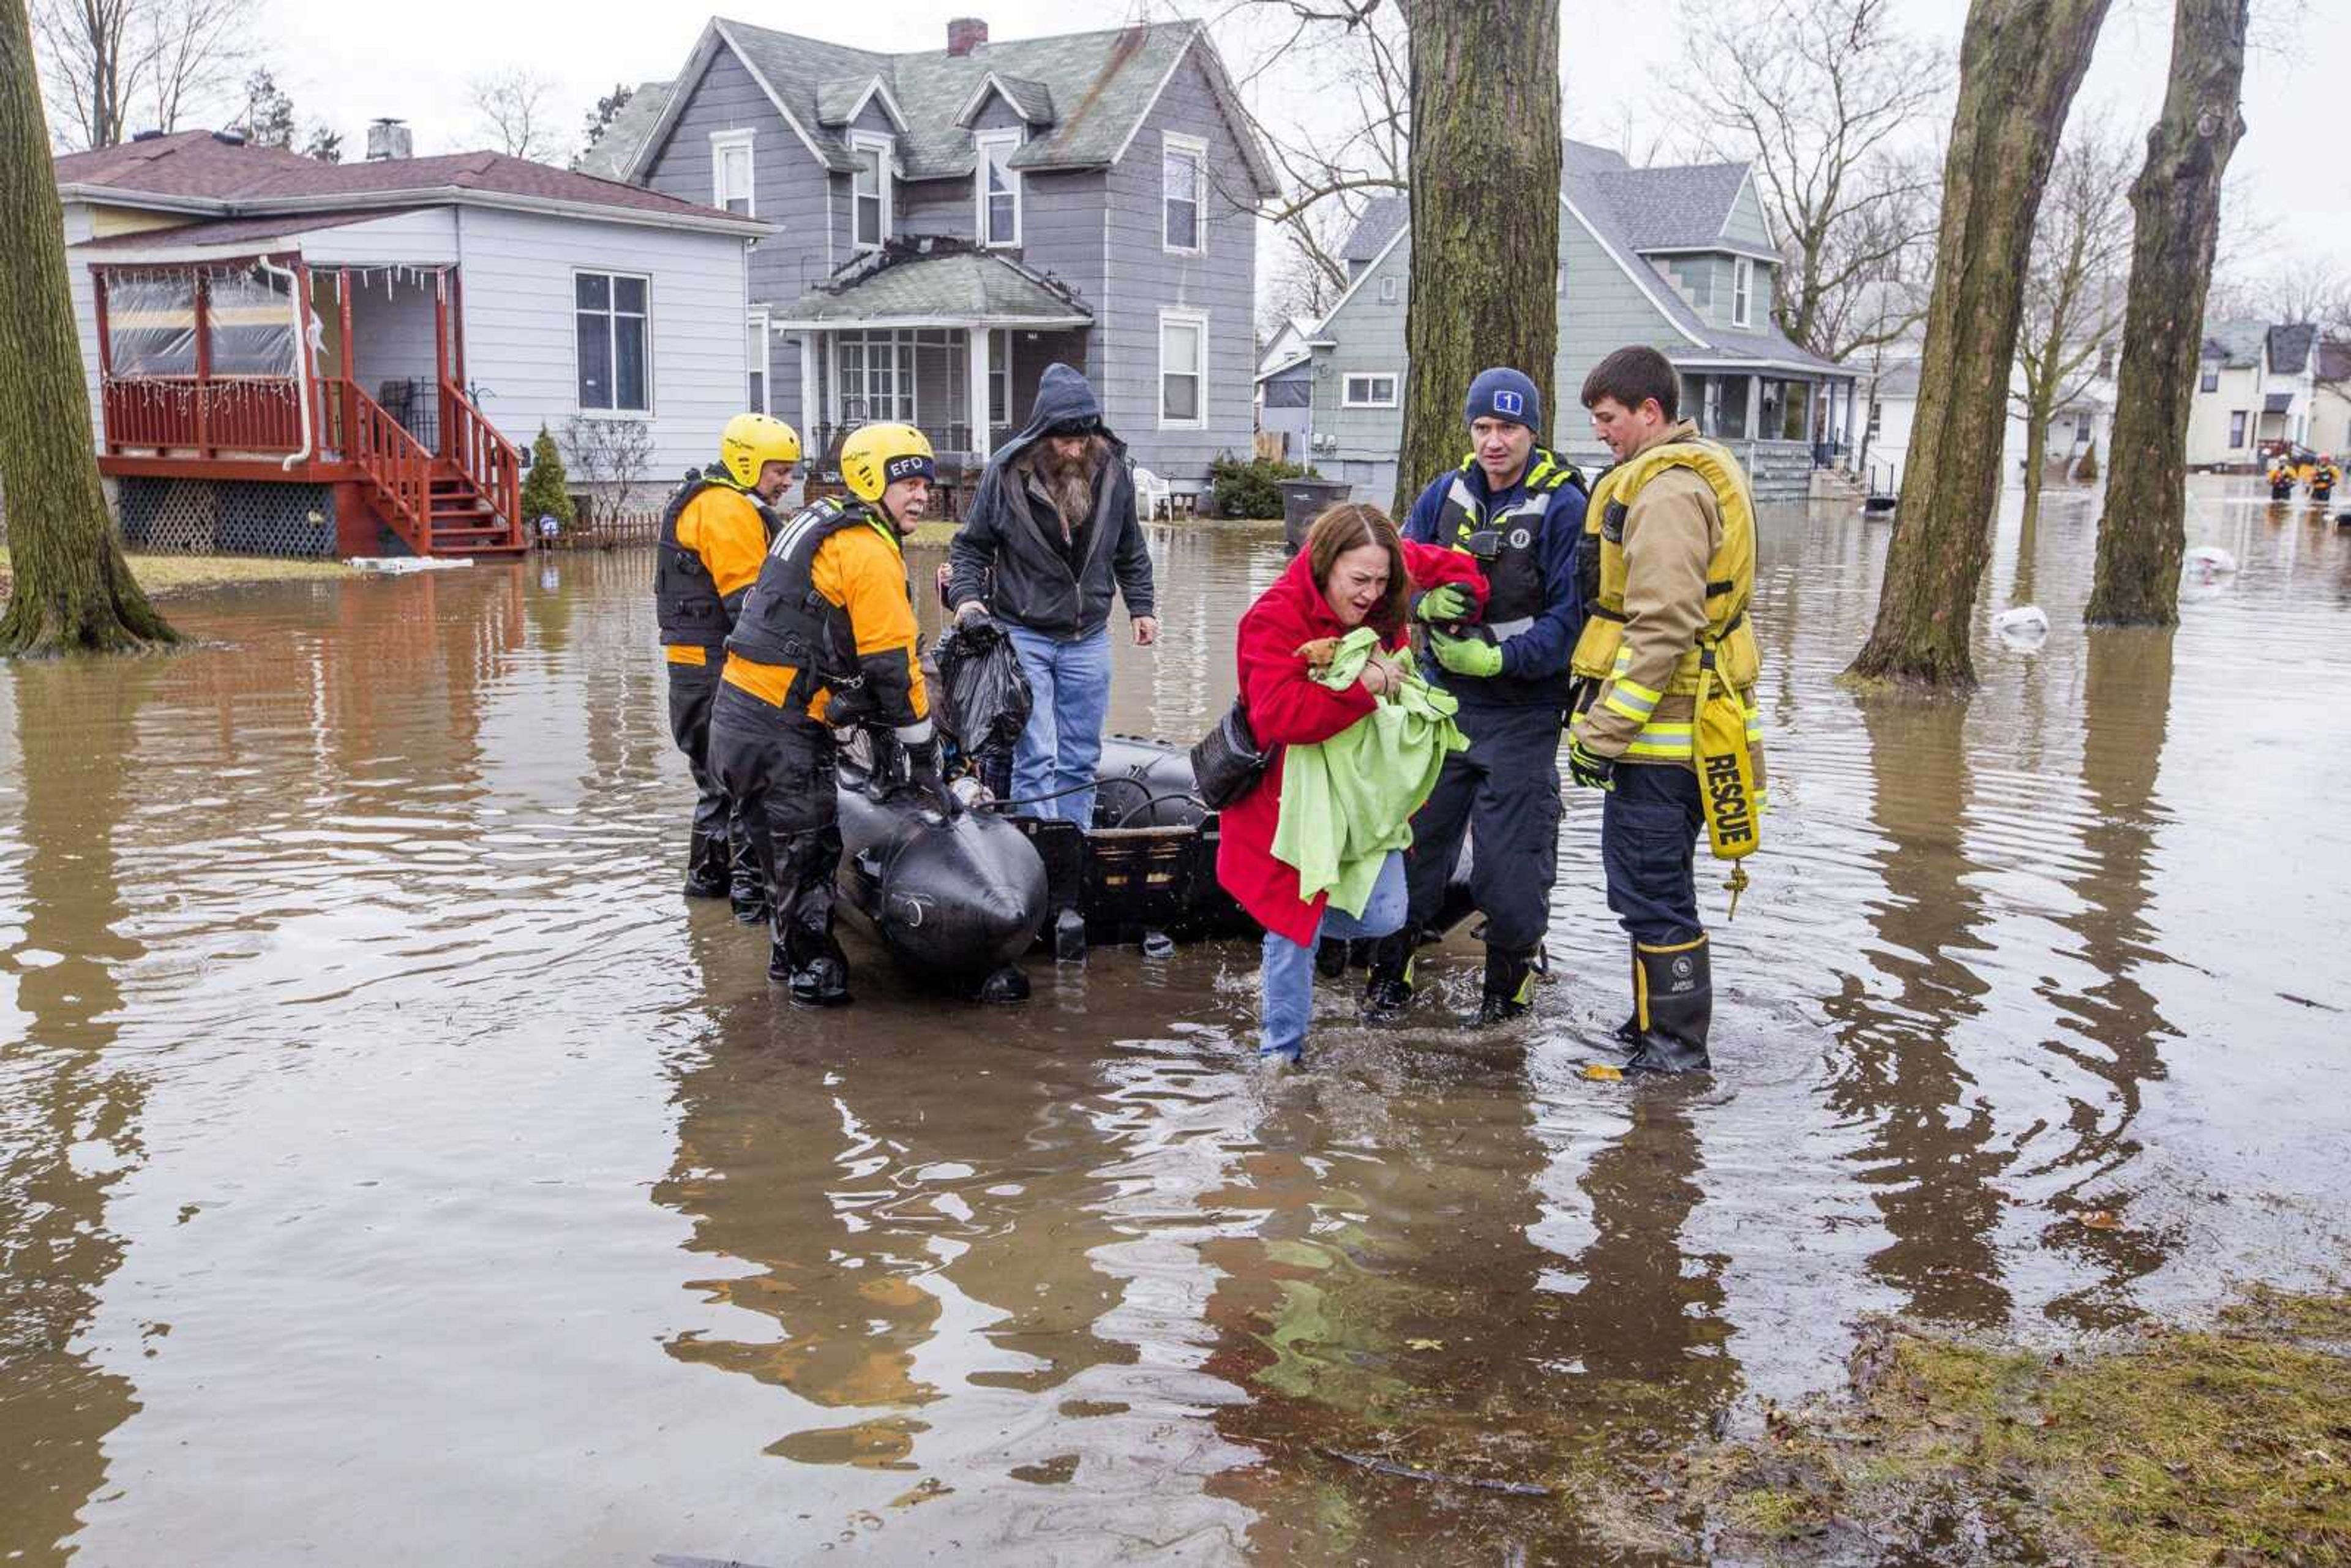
[{"x": 1679, "y": 259}]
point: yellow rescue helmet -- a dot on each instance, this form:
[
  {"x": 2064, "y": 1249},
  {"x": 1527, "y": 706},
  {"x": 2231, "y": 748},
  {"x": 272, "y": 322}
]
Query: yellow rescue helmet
[
  {"x": 752, "y": 441},
  {"x": 875, "y": 455}
]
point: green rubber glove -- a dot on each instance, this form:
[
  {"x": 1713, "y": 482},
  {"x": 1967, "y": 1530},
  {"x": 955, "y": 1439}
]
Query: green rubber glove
[
  {"x": 1446, "y": 606},
  {"x": 1466, "y": 655}
]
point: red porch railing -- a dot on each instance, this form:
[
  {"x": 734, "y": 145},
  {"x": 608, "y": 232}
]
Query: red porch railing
[
  {"x": 397, "y": 463},
  {"x": 203, "y": 415},
  {"x": 488, "y": 461}
]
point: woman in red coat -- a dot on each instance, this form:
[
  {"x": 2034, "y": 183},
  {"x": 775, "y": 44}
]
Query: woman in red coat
[{"x": 1354, "y": 570}]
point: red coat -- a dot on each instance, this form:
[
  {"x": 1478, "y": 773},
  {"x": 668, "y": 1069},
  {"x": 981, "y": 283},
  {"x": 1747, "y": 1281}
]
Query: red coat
[{"x": 1287, "y": 707}]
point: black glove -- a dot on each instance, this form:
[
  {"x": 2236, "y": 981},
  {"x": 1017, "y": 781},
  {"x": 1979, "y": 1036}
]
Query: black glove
[
  {"x": 1589, "y": 768},
  {"x": 923, "y": 769}
]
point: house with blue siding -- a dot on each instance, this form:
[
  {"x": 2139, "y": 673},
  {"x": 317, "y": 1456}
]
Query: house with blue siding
[
  {"x": 1679, "y": 259},
  {"x": 949, "y": 223}
]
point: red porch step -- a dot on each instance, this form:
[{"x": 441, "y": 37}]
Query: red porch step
[{"x": 460, "y": 521}]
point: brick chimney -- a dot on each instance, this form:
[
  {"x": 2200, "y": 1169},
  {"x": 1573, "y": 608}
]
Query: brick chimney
[{"x": 966, "y": 34}]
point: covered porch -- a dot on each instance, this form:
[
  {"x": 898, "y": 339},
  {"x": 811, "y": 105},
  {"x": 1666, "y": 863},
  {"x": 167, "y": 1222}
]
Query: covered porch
[
  {"x": 236, "y": 357},
  {"x": 953, "y": 344}
]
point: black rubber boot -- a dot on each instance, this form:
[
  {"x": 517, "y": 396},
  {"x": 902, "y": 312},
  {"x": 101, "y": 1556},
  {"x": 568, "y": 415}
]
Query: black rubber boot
[
  {"x": 1674, "y": 1007},
  {"x": 813, "y": 969},
  {"x": 1509, "y": 985},
  {"x": 705, "y": 867},
  {"x": 747, "y": 890},
  {"x": 1389, "y": 990},
  {"x": 1628, "y": 1033}
]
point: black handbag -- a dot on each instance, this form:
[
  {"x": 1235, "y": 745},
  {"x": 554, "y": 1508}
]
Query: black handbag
[{"x": 1226, "y": 762}]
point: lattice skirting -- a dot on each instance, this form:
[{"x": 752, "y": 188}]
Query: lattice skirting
[{"x": 226, "y": 517}]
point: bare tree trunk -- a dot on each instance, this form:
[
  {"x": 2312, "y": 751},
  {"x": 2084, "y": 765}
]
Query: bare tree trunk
[
  {"x": 2036, "y": 464},
  {"x": 1485, "y": 216},
  {"x": 2020, "y": 63},
  {"x": 2143, "y": 531},
  {"x": 73, "y": 590}
]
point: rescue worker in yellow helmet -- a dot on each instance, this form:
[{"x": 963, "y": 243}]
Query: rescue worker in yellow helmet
[
  {"x": 1669, "y": 565},
  {"x": 2324, "y": 478},
  {"x": 714, "y": 535},
  {"x": 825, "y": 640}
]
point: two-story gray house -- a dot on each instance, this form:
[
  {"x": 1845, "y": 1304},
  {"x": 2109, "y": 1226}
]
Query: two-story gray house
[
  {"x": 949, "y": 223},
  {"x": 1679, "y": 259}
]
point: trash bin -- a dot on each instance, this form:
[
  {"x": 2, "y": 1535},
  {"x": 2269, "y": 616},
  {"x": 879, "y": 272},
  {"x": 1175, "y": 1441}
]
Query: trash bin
[{"x": 1303, "y": 501}]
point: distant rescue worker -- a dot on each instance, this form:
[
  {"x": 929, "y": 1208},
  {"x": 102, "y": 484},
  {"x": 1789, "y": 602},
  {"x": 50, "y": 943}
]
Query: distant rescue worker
[
  {"x": 2324, "y": 477},
  {"x": 1053, "y": 530},
  {"x": 714, "y": 535},
  {"x": 826, "y": 640},
  {"x": 1664, "y": 719},
  {"x": 1518, "y": 507},
  {"x": 2280, "y": 475}
]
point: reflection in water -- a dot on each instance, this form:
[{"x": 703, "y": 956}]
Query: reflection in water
[
  {"x": 1927, "y": 1155},
  {"x": 70, "y": 1117},
  {"x": 356, "y": 1034}
]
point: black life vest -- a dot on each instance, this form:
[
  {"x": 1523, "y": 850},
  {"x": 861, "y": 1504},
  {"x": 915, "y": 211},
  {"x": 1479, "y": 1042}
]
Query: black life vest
[
  {"x": 687, "y": 602},
  {"x": 1508, "y": 545},
  {"x": 785, "y": 622}
]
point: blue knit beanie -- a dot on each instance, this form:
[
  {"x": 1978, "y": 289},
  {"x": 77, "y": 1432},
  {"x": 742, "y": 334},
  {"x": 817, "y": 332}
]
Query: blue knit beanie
[{"x": 1504, "y": 393}]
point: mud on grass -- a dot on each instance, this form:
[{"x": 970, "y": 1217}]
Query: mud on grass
[{"x": 2229, "y": 1445}]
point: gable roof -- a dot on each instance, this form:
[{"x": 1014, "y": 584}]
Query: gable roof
[
  {"x": 1687, "y": 205},
  {"x": 197, "y": 171},
  {"x": 618, "y": 147},
  {"x": 1032, "y": 100},
  {"x": 2236, "y": 344},
  {"x": 1589, "y": 180},
  {"x": 2289, "y": 347},
  {"x": 1092, "y": 90},
  {"x": 2334, "y": 360}
]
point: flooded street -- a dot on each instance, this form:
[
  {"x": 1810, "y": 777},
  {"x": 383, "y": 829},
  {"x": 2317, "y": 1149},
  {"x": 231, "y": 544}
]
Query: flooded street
[{"x": 394, "y": 1169}]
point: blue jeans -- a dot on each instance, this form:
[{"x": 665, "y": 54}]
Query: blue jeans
[
  {"x": 1070, "y": 686},
  {"x": 1287, "y": 980}
]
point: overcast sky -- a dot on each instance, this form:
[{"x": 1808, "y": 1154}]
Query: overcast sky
[{"x": 345, "y": 68}]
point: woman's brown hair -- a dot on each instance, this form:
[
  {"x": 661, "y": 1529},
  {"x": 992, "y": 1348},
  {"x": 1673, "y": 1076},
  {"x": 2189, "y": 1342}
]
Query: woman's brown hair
[{"x": 1350, "y": 525}]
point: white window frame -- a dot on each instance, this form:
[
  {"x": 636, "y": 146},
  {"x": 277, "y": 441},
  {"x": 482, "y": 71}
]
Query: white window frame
[
  {"x": 721, "y": 142},
  {"x": 1742, "y": 291},
  {"x": 885, "y": 149},
  {"x": 1388, "y": 289},
  {"x": 758, "y": 329},
  {"x": 2208, "y": 378},
  {"x": 2238, "y": 421},
  {"x": 612, "y": 315},
  {"x": 1347, "y": 389},
  {"x": 900, "y": 344},
  {"x": 1000, "y": 372},
  {"x": 980, "y": 144},
  {"x": 1199, "y": 320},
  {"x": 1195, "y": 151}
]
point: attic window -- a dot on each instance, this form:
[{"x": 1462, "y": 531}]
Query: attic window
[
  {"x": 870, "y": 189},
  {"x": 998, "y": 188},
  {"x": 1183, "y": 176},
  {"x": 2212, "y": 382},
  {"x": 730, "y": 171},
  {"x": 1742, "y": 290}
]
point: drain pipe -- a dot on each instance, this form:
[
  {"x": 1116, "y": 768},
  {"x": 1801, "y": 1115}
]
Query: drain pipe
[{"x": 302, "y": 388}]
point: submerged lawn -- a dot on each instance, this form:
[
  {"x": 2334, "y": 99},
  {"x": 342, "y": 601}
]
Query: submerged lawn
[{"x": 160, "y": 574}]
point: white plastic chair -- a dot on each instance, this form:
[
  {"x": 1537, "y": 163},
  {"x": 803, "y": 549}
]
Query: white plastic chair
[{"x": 1151, "y": 493}]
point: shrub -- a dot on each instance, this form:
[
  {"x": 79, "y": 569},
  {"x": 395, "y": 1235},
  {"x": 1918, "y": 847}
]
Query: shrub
[
  {"x": 543, "y": 491},
  {"x": 1250, "y": 488}
]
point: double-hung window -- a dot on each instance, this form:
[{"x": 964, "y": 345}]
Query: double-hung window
[
  {"x": 999, "y": 378},
  {"x": 1375, "y": 391},
  {"x": 2210, "y": 380},
  {"x": 1742, "y": 290},
  {"x": 998, "y": 190},
  {"x": 612, "y": 328},
  {"x": 730, "y": 171},
  {"x": 1183, "y": 187},
  {"x": 757, "y": 359},
  {"x": 2236, "y": 430},
  {"x": 870, "y": 190},
  {"x": 1182, "y": 370}
]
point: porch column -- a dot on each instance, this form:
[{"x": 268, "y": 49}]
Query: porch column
[
  {"x": 978, "y": 336},
  {"x": 203, "y": 308},
  {"x": 346, "y": 410},
  {"x": 811, "y": 422},
  {"x": 1755, "y": 407}
]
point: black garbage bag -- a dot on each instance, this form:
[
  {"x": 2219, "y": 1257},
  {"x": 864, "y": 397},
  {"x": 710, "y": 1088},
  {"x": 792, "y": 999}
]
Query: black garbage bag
[{"x": 984, "y": 698}]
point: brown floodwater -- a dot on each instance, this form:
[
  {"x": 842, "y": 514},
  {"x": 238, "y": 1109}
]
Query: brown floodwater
[{"x": 394, "y": 1169}]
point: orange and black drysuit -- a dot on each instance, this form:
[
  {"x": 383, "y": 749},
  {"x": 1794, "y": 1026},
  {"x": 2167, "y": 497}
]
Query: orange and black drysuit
[
  {"x": 713, "y": 538},
  {"x": 827, "y": 638}
]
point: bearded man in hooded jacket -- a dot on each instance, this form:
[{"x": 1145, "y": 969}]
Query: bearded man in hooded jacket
[{"x": 1050, "y": 535}]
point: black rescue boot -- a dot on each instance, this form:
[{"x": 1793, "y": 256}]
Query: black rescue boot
[
  {"x": 747, "y": 890},
  {"x": 1673, "y": 1004},
  {"x": 705, "y": 867},
  {"x": 1389, "y": 990},
  {"x": 1509, "y": 985},
  {"x": 1628, "y": 1033},
  {"x": 813, "y": 968}
]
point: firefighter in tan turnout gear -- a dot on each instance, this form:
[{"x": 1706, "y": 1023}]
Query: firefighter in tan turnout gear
[{"x": 1664, "y": 716}]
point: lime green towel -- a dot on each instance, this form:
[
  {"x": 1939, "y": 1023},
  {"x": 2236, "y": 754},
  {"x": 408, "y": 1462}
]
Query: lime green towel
[{"x": 1347, "y": 802}]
